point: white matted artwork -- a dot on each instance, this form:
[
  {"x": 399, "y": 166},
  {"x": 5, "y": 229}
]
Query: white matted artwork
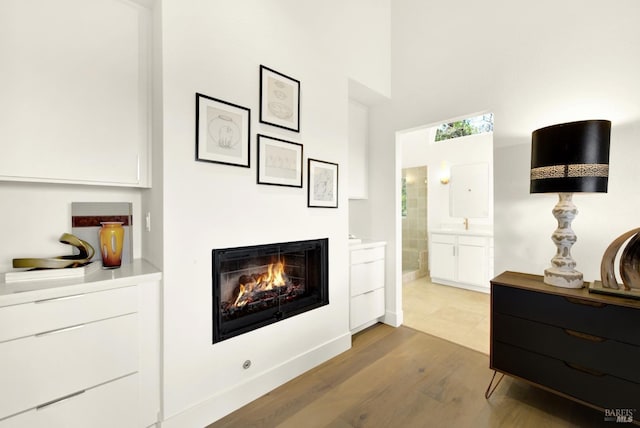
[
  {"x": 279, "y": 162},
  {"x": 222, "y": 132},
  {"x": 279, "y": 99},
  {"x": 323, "y": 184}
]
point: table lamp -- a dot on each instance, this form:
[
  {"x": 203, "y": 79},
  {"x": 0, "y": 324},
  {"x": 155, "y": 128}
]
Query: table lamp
[{"x": 565, "y": 159}]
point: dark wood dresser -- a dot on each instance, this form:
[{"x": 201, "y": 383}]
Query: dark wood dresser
[{"x": 581, "y": 345}]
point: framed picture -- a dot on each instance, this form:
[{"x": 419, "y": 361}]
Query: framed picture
[
  {"x": 222, "y": 132},
  {"x": 279, "y": 99},
  {"x": 323, "y": 184},
  {"x": 279, "y": 162}
]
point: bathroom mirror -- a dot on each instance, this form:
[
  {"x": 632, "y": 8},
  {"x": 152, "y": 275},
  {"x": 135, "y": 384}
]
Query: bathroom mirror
[{"x": 469, "y": 191}]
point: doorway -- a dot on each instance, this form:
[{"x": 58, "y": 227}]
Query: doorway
[{"x": 456, "y": 314}]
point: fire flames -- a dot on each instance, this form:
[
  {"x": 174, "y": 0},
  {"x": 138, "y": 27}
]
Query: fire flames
[{"x": 273, "y": 278}]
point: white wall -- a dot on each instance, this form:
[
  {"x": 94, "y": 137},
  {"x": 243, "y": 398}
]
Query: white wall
[
  {"x": 531, "y": 64},
  {"x": 216, "y": 48}
]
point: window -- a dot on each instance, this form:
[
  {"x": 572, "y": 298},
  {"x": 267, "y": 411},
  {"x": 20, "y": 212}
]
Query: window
[{"x": 473, "y": 125}]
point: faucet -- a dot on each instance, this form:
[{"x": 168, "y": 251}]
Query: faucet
[{"x": 466, "y": 223}]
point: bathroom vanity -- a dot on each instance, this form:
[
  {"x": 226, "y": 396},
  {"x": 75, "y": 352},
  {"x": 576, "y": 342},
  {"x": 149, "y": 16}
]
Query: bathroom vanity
[{"x": 461, "y": 258}]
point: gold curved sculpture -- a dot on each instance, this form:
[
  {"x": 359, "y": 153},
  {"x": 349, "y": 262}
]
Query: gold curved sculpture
[
  {"x": 629, "y": 262},
  {"x": 76, "y": 260}
]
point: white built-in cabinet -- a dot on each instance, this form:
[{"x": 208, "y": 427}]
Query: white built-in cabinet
[
  {"x": 81, "y": 352},
  {"x": 75, "y": 104},
  {"x": 443, "y": 257},
  {"x": 367, "y": 284},
  {"x": 462, "y": 259},
  {"x": 358, "y": 150}
]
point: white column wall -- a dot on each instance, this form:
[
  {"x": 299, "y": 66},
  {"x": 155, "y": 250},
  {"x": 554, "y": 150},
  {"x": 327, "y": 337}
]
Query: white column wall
[{"x": 216, "y": 48}]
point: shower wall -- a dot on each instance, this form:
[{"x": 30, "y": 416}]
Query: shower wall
[{"x": 414, "y": 223}]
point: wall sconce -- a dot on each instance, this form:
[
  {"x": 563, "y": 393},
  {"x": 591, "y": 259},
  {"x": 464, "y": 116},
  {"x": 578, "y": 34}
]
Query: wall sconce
[
  {"x": 568, "y": 158},
  {"x": 445, "y": 173}
]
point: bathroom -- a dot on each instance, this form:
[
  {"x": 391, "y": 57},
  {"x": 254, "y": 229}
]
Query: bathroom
[{"x": 447, "y": 188}]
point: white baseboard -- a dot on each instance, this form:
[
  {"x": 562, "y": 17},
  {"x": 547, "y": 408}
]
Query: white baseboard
[
  {"x": 394, "y": 319},
  {"x": 225, "y": 402},
  {"x": 471, "y": 287}
]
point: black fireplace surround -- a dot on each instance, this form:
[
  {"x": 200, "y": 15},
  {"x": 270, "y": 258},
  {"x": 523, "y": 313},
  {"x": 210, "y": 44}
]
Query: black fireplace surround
[{"x": 259, "y": 285}]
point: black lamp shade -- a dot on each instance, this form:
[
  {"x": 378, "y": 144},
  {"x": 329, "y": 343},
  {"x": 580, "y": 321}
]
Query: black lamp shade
[{"x": 571, "y": 157}]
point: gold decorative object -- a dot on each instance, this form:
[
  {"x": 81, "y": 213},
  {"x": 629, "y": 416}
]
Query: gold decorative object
[
  {"x": 86, "y": 252},
  {"x": 629, "y": 267}
]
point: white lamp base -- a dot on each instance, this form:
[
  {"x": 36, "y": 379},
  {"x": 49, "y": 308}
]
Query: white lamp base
[
  {"x": 563, "y": 278},
  {"x": 563, "y": 273}
]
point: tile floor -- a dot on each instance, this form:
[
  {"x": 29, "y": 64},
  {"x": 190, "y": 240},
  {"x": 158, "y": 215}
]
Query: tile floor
[{"x": 458, "y": 315}]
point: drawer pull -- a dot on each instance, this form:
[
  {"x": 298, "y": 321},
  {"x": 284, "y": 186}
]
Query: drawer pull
[
  {"x": 368, "y": 262},
  {"x": 584, "y": 369},
  {"x": 585, "y": 336},
  {"x": 59, "y": 400},
  {"x": 585, "y": 302},
  {"x": 59, "y": 330},
  {"x": 55, "y": 299}
]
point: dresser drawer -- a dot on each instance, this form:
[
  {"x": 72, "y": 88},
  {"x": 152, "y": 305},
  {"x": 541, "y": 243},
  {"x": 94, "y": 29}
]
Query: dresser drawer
[
  {"x": 596, "y": 318},
  {"x": 107, "y": 406},
  {"x": 601, "y": 390},
  {"x": 600, "y": 354},
  {"x": 367, "y": 307},
  {"x": 45, "y": 315},
  {"x": 37, "y": 369},
  {"x": 366, "y": 277},
  {"x": 367, "y": 255}
]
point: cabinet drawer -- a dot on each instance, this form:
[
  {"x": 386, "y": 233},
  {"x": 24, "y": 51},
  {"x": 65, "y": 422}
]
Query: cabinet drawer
[
  {"x": 367, "y": 307},
  {"x": 367, "y": 255},
  {"x": 443, "y": 239},
  {"x": 599, "y": 319},
  {"x": 582, "y": 383},
  {"x": 107, "y": 406},
  {"x": 476, "y": 241},
  {"x": 37, "y": 369},
  {"x": 51, "y": 314},
  {"x": 366, "y": 277},
  {"x": 600, "y": 354}
]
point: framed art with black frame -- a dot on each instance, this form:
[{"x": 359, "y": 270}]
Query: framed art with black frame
[
  {"x": 222, "y": 132},
  {"x": 279, "y": 162},
  {"x": 322, "y": 184},
  {"x": 279, "y": 99}
]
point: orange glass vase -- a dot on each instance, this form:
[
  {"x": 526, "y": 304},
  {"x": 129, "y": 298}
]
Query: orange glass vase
[{"x": 111, "y": 241}]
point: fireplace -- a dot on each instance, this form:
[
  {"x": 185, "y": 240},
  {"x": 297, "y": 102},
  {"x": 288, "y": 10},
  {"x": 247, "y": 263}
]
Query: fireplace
[{"x": 263, "y": 284}]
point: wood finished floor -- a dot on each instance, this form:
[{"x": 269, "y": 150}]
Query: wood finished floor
[
  {"x": 404, "y": 378},
  {"x": 458, "y": 315}
]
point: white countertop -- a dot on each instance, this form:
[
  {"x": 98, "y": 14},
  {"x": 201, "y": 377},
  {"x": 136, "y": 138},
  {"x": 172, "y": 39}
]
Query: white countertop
[
  {"x": 355, "y": 244},
  {"x": 470, "y": 232},
  {"x": 28, "y": 291}
]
